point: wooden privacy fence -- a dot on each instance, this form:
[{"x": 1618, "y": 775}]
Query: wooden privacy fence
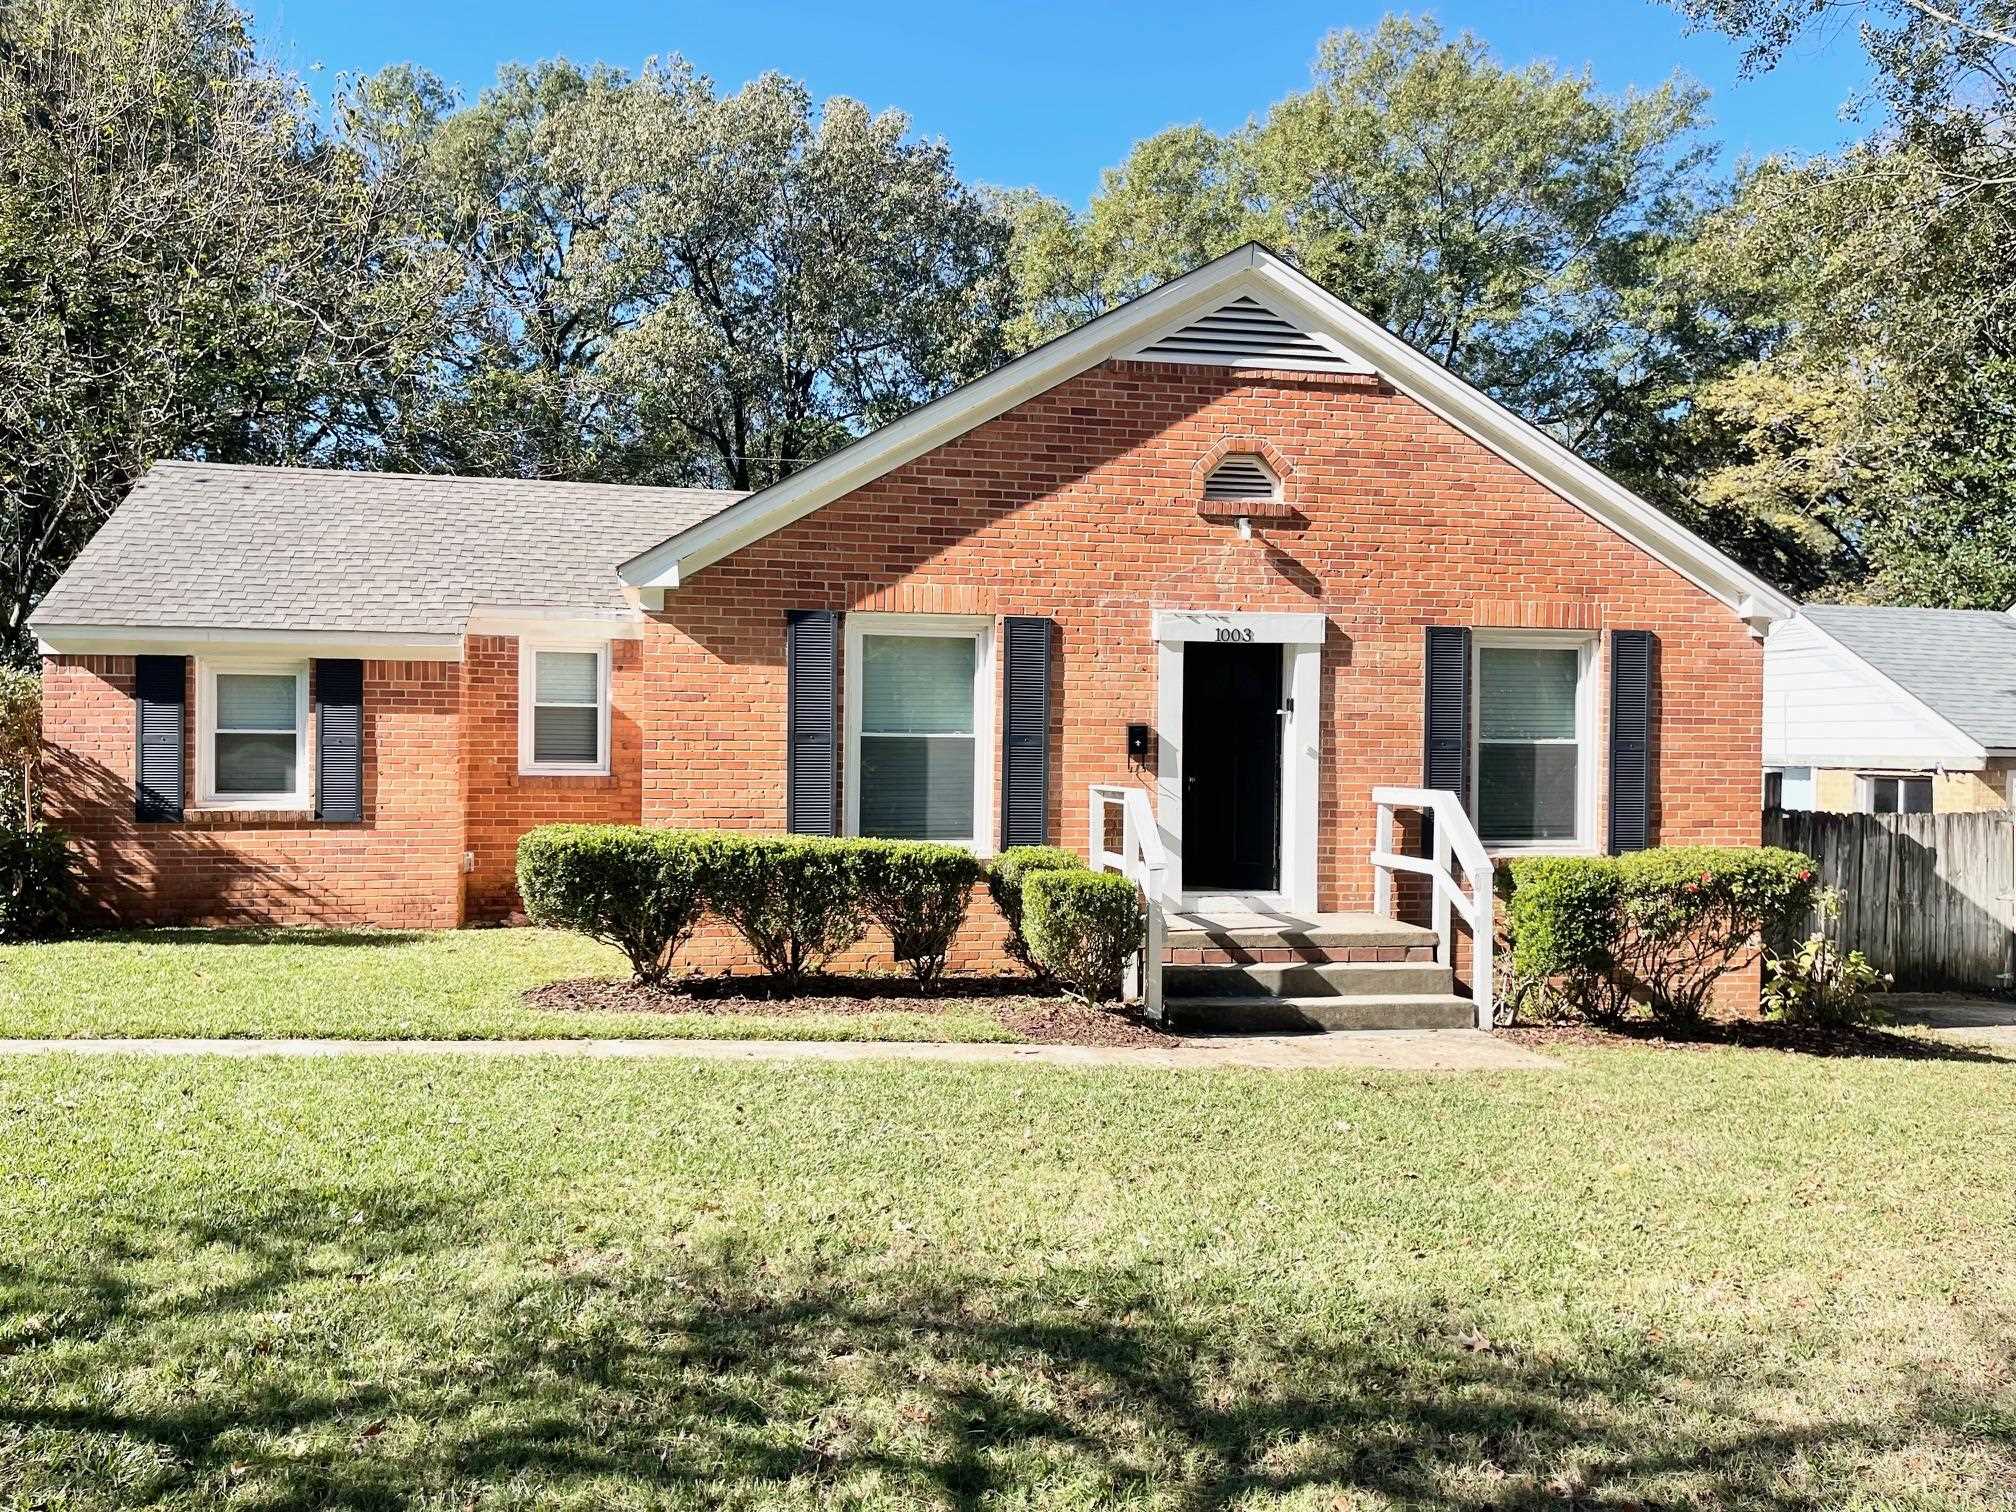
[{"x": 1926, "y": 897}]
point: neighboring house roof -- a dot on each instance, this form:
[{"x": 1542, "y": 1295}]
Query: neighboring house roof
[
  {"x": 208, "y": 546},
  {"x": 1958, "y": 663},
  {"x": 1202, "y": 310}
]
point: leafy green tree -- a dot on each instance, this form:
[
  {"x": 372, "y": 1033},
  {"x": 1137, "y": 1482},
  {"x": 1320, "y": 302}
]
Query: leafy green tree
[
  {"x": 182, "y": 260},
  {"x": 1514, "y": 223},
  {"x": 1878, "y": 420},
  {"x": 660, "y": 283}
]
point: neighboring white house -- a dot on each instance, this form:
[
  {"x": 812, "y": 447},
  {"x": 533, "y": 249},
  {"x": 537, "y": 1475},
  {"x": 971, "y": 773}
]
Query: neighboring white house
[{"x": 1871, "y": 710}]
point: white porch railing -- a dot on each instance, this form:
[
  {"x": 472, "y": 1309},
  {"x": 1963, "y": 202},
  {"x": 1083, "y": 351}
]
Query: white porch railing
[
  {"x": 1454, "y": 837},
  {"x": 1142, "y": 858}
]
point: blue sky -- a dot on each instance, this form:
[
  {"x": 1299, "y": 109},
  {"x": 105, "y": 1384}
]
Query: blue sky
[{"x": 1048, "y": 94}]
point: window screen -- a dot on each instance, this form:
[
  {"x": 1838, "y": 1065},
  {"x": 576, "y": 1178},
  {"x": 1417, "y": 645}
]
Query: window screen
[
  {"x": 258, "y": 745},
  {"x": 1528, "y": 759},
  {"x": 567, "y": 708},
  {"x": 917, "y": 748}
]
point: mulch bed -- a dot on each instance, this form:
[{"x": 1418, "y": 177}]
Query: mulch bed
[
  {"x": 1049, "y": 1020},
  {"x": 1752, "y": 1034}
]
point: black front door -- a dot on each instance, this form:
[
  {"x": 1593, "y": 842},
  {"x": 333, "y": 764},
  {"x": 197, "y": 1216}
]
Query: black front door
[{"x": 1231, "y": 768}]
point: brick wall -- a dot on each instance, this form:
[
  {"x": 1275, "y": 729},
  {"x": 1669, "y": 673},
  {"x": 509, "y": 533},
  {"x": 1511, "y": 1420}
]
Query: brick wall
[
  {"x": 401, "y": 866},
  {"x": 1081, "y": 505},
  {"x": 501, "y": 802}
]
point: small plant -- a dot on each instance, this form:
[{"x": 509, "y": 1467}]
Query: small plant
[
  {"x": 1005, "y": 882},
  {"x": 918, "y": 892},
  {"x": 1819, "y": 984},
  {"x": 640, "y": 890},
  {"x": 1082, "y": 927},
  {"x": 795, "y": 899}
]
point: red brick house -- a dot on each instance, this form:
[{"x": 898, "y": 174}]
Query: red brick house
[{"x": 1231, "y": 544}]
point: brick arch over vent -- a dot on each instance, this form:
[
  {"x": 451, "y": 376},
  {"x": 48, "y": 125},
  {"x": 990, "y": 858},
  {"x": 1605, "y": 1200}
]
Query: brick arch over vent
[{"x": 1285, "y": 507}]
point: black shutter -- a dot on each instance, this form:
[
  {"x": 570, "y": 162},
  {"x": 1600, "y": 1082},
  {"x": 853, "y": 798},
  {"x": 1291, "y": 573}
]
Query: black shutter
[
  {"x": 159, "y": 689},
  {"x": 339, "y": 740},
  {"x": 812, "y": 722},
  {"x": 1025, "y": 732},
  {"x": 1630, "y": 740},
  {"x": 1445, "y": 761}
]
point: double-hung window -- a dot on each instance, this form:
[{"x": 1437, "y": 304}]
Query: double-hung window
[
  {"x": 918, "y": 722},
  {"x": 563, "y": 708},
  {"x": 1534, "y": 757},
  {"x": 252, "y": 727}
]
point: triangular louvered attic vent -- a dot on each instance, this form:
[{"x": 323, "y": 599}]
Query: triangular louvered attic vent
[
  {"x": 1239, "y": 477},
  {"x": 1245, "y": 333}
]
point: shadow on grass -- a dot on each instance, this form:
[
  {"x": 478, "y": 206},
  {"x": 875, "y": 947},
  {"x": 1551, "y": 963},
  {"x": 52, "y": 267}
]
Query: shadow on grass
[
  {"x": 1852, "y": 1042},
  {"x": 589, "y": 1376}
]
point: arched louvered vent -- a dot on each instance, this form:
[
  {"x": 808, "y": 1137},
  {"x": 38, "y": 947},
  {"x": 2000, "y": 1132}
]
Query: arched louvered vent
[
  {"x": 1245, "y": 333},
  {"x": 1239, "y": 478}
]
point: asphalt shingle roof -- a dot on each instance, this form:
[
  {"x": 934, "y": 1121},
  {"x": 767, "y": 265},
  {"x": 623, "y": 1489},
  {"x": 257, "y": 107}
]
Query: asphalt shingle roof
[
  {"x": 202, "y": 545},
  {"x": 1959, "y": 662}
]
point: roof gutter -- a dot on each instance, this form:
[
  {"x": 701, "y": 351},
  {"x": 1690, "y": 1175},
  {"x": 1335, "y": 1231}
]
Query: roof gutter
[{"x": 139, "y": 640}]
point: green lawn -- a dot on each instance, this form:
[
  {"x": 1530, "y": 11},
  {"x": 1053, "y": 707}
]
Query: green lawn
[
  {"x": 371, "y": 984},
  {"x": 1658, "y": 1279}
]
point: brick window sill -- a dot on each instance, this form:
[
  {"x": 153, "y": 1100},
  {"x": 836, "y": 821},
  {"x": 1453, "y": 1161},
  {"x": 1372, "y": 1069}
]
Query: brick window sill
[
  {"x": 220, "y": 815},
  {"x": 571, "y": 780}
]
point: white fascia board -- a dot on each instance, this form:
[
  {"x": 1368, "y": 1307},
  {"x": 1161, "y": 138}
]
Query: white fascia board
[
  {"x": 1967, "y": 753},
  {"x": 1872, "y": 760},
  {"x": 140, "y": 640},
  {"x": 541, "y": 620},
  {"x": 1248, "y": 268}
]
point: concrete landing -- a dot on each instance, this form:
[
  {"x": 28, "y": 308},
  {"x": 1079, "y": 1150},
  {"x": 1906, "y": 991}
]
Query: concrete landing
[{"x": 1332, "y": 931}]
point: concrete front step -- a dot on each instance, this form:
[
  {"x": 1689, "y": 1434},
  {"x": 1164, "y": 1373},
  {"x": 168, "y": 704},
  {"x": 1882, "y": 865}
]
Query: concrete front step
[
  {"x": 1331, "y": 931},
  {"x": 1398, "y": 1010},
  {"x": 1339, "y": 979}
]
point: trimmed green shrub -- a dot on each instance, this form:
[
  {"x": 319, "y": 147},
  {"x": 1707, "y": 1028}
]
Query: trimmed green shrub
[
  {"x": 1082, "y": 926},
  {"x": 918, "y": 892},
  {"x": 641, "y": 890},
  {"x": 38, "y": 882},
  {"x": 795, "y": 899},
  {"x": 1005, "y": 879},
  {"x": 1561, "y": 917},
  {"x": 1599, "y": 936}
]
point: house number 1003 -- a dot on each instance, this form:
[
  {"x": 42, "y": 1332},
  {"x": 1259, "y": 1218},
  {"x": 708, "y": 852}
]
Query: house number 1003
[{"x": 1230, "y": 634}]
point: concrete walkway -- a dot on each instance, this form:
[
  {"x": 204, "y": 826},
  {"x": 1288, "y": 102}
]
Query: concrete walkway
[
  {"x": 1387, "y": 1050},
  {"x": 1976, "y": 1020}
]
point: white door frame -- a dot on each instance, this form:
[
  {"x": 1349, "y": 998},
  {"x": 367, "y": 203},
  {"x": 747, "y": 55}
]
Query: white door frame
[{"x": 1300, "y": 637}]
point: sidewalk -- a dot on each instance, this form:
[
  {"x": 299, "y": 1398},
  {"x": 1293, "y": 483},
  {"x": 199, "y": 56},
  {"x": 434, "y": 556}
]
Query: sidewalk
[{"x": 1376, "y": 1050}]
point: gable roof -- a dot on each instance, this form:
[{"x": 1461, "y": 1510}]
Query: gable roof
[
  {"x": 200, "y": 545},
  {"x": 1254, "y": 273},
  {"x": 1959, "y": 663}
]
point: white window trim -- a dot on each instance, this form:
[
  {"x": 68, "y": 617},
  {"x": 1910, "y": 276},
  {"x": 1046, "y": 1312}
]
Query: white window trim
[
  {"x": 1586, "y": 643},
  {"x": 978, "y": 627},
  {"x": 207, "y": 797},
  {"x": 528, "y": 686}
]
